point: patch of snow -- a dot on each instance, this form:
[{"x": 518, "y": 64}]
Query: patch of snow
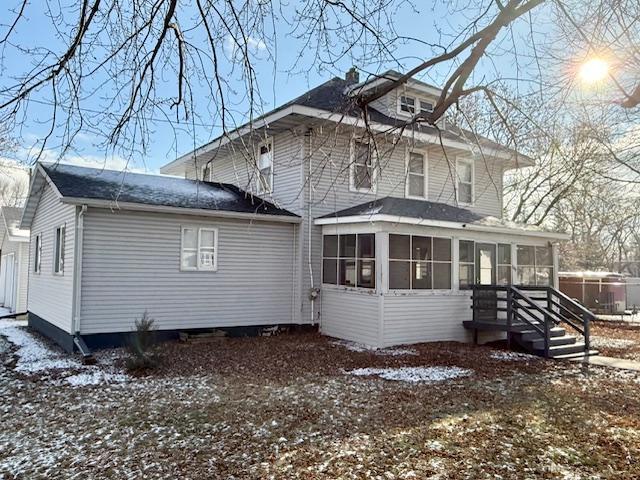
[
  {"x": 95, "y": 377},
  {"x": 608, "y": 342},
  {"x": 512, "y": 356},
  {"x": 360, "y": 348},
  {"x": 33, "y": 355},
  {"x": 414, "y": 374}
]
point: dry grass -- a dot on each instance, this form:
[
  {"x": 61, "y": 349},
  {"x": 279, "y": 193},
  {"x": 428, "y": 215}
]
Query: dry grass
[{"x": 282, "y": 407}]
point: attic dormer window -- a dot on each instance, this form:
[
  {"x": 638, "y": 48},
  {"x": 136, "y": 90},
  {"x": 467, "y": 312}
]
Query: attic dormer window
[
  {"x": 426, "y": 107},
  {"x": 407, "y": 104}
]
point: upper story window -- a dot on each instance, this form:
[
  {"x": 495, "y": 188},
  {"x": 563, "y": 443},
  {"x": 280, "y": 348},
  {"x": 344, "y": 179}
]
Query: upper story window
[
  {"x": 535, "y": 265},
  {"x": 419, "y": 263},
  {"x": 37, "y": 260},
  {"x": 58, "y": 251},
  {"x": 464, "y": 180},
  {"x": 265, "y": 167},
  {"x": 412, "y": 105},
  {"x": 407, "y": 104},
  {"x": 362, "y": 169},
  {"x": 199, "y": 249},
  {"x": 349, "y": 260},
  {"x": 416, "y": 175}
]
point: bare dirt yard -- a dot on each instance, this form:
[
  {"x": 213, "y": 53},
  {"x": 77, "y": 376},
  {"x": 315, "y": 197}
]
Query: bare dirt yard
[{"x": 305, "y": 406}]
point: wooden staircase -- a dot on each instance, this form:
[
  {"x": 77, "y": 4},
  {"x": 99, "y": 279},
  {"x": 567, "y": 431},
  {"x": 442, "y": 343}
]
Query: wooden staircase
[{"x": 541, "y": 320}]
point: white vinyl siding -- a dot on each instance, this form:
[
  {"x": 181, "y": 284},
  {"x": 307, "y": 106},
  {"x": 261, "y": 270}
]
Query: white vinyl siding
[
  {"x": 50, "y": 296},
  {"x": 20, "y": 250},
  {"x": 131, "y": 263},
  {"x": 351, "y": 315}
]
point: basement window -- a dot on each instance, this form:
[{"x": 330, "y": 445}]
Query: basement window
[
  {"x": 199, "y": 249},
  {"x": 349, "y": 260},
  {"x": 58, "y": 252}
]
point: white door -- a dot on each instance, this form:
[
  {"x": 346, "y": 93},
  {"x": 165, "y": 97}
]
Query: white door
[{"x": 10, "y": 281}]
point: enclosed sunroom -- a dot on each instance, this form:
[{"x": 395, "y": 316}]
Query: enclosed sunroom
[{"x": 398, "y": 271}]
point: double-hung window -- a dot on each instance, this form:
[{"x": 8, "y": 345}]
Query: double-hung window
[
  {"x": 362, "y": 171},
  {"x": 349, "y": 260},
  {"x": 58, "y": 251},
  {"x": 37, "y": 258},
  {"x": 464, "y": 181},
  {"x": 199, "y": 249},
  {"x": 535, "y": 265},
  {"x": 407, "y": 104},
  {"x": 419, "y": 263},
  {"x": 417, "y": 175},
  {"x": 265, "y": 167},
  {"x": 426, "y": 107}
]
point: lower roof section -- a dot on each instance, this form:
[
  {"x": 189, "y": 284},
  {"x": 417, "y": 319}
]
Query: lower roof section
[{"x": 433, "y": 214}]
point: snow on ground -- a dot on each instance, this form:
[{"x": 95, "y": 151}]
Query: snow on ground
[
  {"x": 608, "y": 342},
  {"x": 414, "y": 374},
  {"x": 360, "y": 348},
  {"x": 4, "y": 311},
  {"x": 35, "y": 357},
  {"x": 512, "y": 356}
]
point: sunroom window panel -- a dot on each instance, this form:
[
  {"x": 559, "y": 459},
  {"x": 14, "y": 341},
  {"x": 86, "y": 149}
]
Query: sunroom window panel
[
  {"x": 330, "y": 271},
  {"x": 526, "y": 255},
  {"x": 366, "y": 273},
  {"x": 503, "y": 275},
  {"x": 467, "y": 275},
  {"x": 399, "y": 247},
  {"x": 421, "y": 248},
  {"x": 347, "y": 246},
  {"x": 442, "y": 276},
  {"x": 527, "y": 275},
  {"x": 366, "y": 245},
  {"x": 467, "y": 251},
  {"x": 330, "y": 246},
  {"x": 347, "y": 272},
  {"x": 442, "y": 249},
  {"x": 504, "y": 254},
  {"x": 544, "y": 256},
  {"x": 399, "y": 275},
  {"x": 422, "y": 276},
  {"x": 544, "y": 276}
]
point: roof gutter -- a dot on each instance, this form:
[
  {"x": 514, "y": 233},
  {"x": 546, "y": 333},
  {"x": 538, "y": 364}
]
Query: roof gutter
[
  {"x": 141, "y": 207},
  {"x": 522, "y": 160},
  {"x": 439, "y": 223}
]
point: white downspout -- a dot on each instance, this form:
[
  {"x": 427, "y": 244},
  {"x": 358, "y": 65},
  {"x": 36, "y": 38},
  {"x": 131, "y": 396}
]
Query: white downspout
[
  {"x": 77, "y": 270},
  {"x": 312, "y": 291}
]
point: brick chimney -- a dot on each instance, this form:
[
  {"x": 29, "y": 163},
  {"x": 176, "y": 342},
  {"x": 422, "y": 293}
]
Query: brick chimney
[{"x": 352, "y": 75}]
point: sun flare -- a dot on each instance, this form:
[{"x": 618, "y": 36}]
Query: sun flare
[{"x": 594, "y": 70}]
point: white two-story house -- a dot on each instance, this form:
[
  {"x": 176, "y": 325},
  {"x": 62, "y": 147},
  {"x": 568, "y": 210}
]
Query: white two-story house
[{"x": 313, "y": 214}]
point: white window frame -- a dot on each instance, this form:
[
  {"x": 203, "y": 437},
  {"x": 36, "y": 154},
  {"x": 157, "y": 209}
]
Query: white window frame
[
  {"x": 402, "y": 102},
  {"x": 426, "y": 110},
  {"x": 59, "y": 237},
  {"x": 425, "y": 166},
  {"x": 411, "y": 262},
  {"x": 259, "y": 183},
  {"x": 352, "y": 165},
  {"x": 468, "y": 161},
  {"x": 37, "y": 256},
  {"x": 199, "y": 267}
]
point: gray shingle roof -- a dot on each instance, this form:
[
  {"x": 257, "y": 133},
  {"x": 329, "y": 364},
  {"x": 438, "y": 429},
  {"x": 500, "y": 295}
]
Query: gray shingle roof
[
  {"x": 407, "y": 207},
  {"x": 160, "y": 190}
]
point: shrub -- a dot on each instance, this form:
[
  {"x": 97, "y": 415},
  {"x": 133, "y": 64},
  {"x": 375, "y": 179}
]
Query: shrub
[{"x": 143, "y": 354}]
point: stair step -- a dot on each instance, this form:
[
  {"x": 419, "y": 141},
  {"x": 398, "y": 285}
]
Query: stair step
[
  {"x": 564, "y": 350},
  {"x": 530, "y": 334},
  {"x": 570, "y": 356},
  {"x": 538, "y": 343}
]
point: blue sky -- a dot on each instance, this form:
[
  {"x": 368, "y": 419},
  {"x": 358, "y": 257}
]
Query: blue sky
[{"x": 433, "y": 23}]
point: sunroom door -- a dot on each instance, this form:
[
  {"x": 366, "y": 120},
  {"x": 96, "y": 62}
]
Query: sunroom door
[{"x": 485, "y": 263}]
